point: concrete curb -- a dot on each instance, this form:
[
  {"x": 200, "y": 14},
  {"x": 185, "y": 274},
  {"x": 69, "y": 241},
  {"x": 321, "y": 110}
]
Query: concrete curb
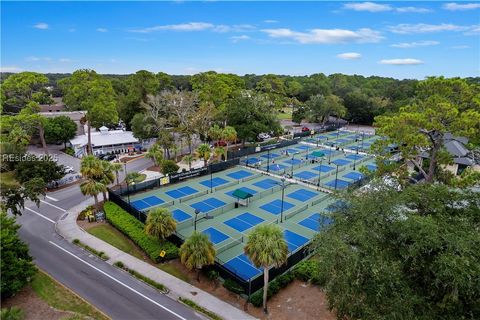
[{"x": 67, "y": 227}]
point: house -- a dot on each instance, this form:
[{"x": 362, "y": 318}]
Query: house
[
  {"x": 56, "y": 106},
  {"x": 106, "y": 141},
  {"x": 76, "y": 116},
  {"x": 462, "y": 157}
]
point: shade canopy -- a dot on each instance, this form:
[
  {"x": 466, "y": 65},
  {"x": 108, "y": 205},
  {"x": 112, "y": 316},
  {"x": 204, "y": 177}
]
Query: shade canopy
[
  {"x": 318, "y": 154},
  {"x": 241, "y": 194}
]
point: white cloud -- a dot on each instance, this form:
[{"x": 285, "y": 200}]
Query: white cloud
[
  {"x": 10, "y": 69},
  {"x": 270, "y": 21},
  {"x": 102, "y": 30},
  {"x": 401, "y": 62},
  {"x": 35, "y": 59},
  {"x": 412, "y": 10},
  {"x": 236, "y": 39},
  {"x": 452, "y": 6},
  {"x": 41, "y": 26},
  {"x": 64, "y": 60},
  {"x": 367, "y": 6},
  {"x": 461, "y": 47},
  {"x": 415, "y": 44},
  {"x": 473, "y": 30},
  {"x": 191, "y": 26},
  {"x": 349, "y": 56},
  {"x": 326, "y": 36},
  {"x": 406, "y": 28},
  {"x": 233, "y": 28}
]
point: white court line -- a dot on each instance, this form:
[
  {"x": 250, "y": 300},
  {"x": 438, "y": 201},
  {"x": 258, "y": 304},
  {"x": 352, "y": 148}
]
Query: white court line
[
  {"x": 40, "y": 215},
  {"x": 117, "y": 281},
  {"x": 51, "y": 198},
  {"x": 61, "y": 209}
]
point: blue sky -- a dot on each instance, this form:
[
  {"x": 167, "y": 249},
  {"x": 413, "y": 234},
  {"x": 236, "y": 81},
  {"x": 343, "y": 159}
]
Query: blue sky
[{"x": 396, "y": 39}]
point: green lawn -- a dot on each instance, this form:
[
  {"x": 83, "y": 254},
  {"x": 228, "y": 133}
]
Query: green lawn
[
  {"x": 7, "y": 179},
  {"x": 117, "y": 239},
  {"x": 114, "y": 237},
  {"x": 61, "y": 298},
  {"x": 285, "y": 115},
  {"x": 140, "y": 178}
]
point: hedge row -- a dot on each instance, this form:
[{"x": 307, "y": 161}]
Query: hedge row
[
  {"x": 278, "y": 283},
  {"x": 308, "y": 271},
  {"x": 134, "y": 229}
]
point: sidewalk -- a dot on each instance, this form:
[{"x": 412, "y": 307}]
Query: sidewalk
[{"x": 67, "y": 227}]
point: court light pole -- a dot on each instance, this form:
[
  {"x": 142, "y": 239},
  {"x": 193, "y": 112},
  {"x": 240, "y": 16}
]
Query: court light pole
[
  {"x": 211, "y": 179},
  {"x": 320, "y": 170},
  {"x": 283, "y": 195},
  {"x": 126, "y": 181},
  {"x": 268, "y": 160},
  {"x": 206, "y": 217},
  {"x": 291, "y": 167},
  {"x": 354, "y": 160},
  {"x": 329, "y": 156},
  {"x": 336, "y": 177},
  {"x": 363, "y": 138}
]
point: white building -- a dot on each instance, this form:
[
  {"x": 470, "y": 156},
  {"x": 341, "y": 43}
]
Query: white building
[{"x": 105, "y": 142}]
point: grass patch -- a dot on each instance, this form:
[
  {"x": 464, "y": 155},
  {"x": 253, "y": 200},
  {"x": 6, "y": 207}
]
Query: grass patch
[
  {"x": 143, "y": 278},
  {"x": 140, "y": 178},
  {"x": 168, "y": 268},
  {"x": 114, "y": 237},
  {"x": 62, "y": 298},
  {"x": 196, "y": 307},
  {"x": 8, "y": 179},
  {"x": 99, "y": 254},
  {"x": 285, "y": 115}
]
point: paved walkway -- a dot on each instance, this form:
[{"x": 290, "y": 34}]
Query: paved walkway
[{"x": 67, "y": 227}]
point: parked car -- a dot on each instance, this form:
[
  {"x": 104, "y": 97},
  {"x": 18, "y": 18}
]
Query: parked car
[
  {"x": 220, "y": 143},
  {"x": 305, "y": 129},
  {"x": 264, "y": 136},
  {"x": 69, "y": 169},
  {"x": 109, "y": 157}
]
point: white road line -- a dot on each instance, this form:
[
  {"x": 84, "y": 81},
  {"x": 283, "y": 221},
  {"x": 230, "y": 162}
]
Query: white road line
[
  {"x": 61, "y": 209},
  {"x": 40, "y": 215},
  {"x": 118, "y": 281},
  {"x": 51, "y": 198}
]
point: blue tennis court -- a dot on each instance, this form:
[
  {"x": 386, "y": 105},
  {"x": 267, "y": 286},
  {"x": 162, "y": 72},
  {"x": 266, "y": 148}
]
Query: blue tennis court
[
  {"x": 215, "y": 182},
  {"x": 180, "y": 215},
  {"x": 354, "y": 156},
  {"x": 245, "y": 189},
  {"x": 323, "y": 168},
  {"x": 140, "y": 204},
  {"x": 251, "y": 161},
  {"x": 353, "y": 175},
  {"x": 291, "y": 151},
  {"x": 292, "y": 161},
  {"x": 341, "y": 162},
  {"x": 354, "y": 148},
  {"x": 342, "y": 140},
  {"x": 240, "y": 174},
  {"x": 294, "y": 240},
  {"x": 305, "y": 175},
  {"x": 302, "y": 195},
  {"x": 302, "y": 147},
  {"x": 322, "y": 137},
  {"x": 243, "y": 267},
  {"x": 147, "y": 202},
  {"x": 243, "y": 222},
  {"x": 266, "y": 183},
  {"x": 315, "y": 222},
  {"x": 272, "y": 155},
  {"x": 207, "y": 204},
  {"x": 327, "y": 151},
  {"x": 277, "y": 167},
  {"x": 341, "y": 184},
  {"x": 181, "y": 192},
  {"x": 215, "y": 235},
  {"x": 275, "y": 207}
]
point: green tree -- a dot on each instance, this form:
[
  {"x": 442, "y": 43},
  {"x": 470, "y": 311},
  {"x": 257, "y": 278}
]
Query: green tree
[
  {"x": 421, "y": 127},
  {"x": 21, "y": 88},
  {"x": 13, "y": 197},
  {"x": 86, "y": 90},
  {"x": 204, "y": 152},
  {"x": 408, "y": 255},
  {"x": 143, "y": 127},
  {"x": 229, "y": 134},
  {"x": 91, "y": 187},
  {"x": 34, "y": 167},
  {"x": 168, "y": 167},
  {"x": 266, "y": 248},
  {"x": 108, "y": 176},
  {"x": 117, "y": 167},
  {"x": 320, "y": 108},
  {"x": 92, "y": 171},
  {"x": 197, "y": 251},
  {"x": 16, "y": 264},
  {"x": 160, "y": 223},
  {"x": 60, "y": 129},
  {"x": 155, "y": 153},
  {"x": 219, "y": 152},
  {"x": 188, "y": 159},
  {"x": 215, "y": 132}
]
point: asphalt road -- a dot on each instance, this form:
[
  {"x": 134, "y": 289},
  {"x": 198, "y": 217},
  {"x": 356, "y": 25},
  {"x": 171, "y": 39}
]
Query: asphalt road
[{"x": 111, "y": 290}]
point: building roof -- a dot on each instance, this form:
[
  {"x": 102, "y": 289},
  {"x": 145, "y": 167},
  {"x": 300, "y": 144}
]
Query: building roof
[
  {"x": 74, "y": 115},
  {"x": 108, "y": 138}
]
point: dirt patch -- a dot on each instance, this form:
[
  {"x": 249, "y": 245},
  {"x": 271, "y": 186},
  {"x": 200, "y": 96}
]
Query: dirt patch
[
  {"x": 131, "y": 158},
  {"x": 154, "y": 168},
  {"x": 33, "y": 307}
]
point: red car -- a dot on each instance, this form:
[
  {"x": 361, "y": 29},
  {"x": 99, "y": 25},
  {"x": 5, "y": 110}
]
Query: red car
[
  {"x": 220, "y": 143},
  {"x": 305, "y": 129}
]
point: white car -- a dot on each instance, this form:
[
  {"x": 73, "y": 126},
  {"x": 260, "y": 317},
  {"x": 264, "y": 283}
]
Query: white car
[
  {"x": 69, "y": 169},
  {"x": 264, "y": 136}
]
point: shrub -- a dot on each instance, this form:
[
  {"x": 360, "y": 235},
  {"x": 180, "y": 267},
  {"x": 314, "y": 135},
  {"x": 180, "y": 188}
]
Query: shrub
[
  {"x": 13, "y": 313},
  {"x": 257, "y": 298},
  {"x": 119, "y": 264},
  {"x": 274, "y": 286},
  {"x": 196, "y": 307},
  {"x": 149, "y": 281},
  {"x": 232, "y": 286},
  {"x": 76, "y": 241},
  {"x": 134, "y": 229},
  {"x": 69, "y": 151},
  {"x": 307, "y": 270},
  {"x": 168, "y": 167},
  {"x": 212, "y": 275}
]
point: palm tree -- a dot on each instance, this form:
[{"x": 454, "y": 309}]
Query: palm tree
[
  {"x": 155, "y": 153},
  {"x": 203, "y": 152},
  {"x": 266, "y": 247},
  {"x": 160, "y": 223},
  {"x": 117, "y": 167},
  {"x": 189, "y": 159},
  {"x": 219, "y": 151},
  {"x": 215, "y": 132},
  {"x": 91, "y": 187},
  {"x": 230, "y": 135},
  {"x": 107, "y": 178},
  {"x": 91, "y": 167},
  {"x": 197, "y": 251}
]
